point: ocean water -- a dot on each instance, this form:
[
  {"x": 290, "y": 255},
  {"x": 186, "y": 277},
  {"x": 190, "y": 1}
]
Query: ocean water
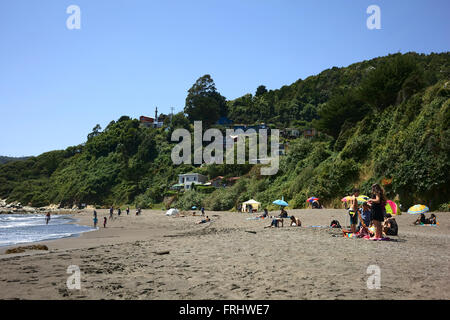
[{"x": 25, "y": 228}]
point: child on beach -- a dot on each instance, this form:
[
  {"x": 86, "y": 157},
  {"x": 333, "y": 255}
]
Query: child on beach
[
  {"x": 104, "y": 222},
  {"x": 353, "y": 210},
  {"x": 47, "y": 218},
  {"x": 128, "y": 210},
  {"x": 365, "y": 215}
]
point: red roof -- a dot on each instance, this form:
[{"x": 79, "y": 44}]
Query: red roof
[{"x": 146, "y": 119}]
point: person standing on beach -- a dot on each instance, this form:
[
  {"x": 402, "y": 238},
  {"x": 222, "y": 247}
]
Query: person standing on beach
[
  {"x": 119, "y": 212},
  {"x": 95, "y": 221},
  {"x": 111, "y": 211},
  {"x": 353, "y": 210},
  {"x": 104, "y": 222},
  {"x": 378, "y": 201},
  {"x": 203, "y": 212},
  {"x": 128, "y": 210},
  {"x": 47, "y": 218}
]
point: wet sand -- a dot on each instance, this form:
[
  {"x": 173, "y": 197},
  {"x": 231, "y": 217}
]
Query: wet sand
[{"x": 232, "y": 258}]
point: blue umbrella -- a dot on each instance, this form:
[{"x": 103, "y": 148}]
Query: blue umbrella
[
  {"x": 194, "y": 207},
  {"x": 280, "y": 203}
]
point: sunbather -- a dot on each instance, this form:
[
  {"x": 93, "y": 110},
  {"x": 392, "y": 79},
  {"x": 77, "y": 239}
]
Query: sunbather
[
  {"x": 421, "y": 220},
  {"x": 432, "y": 219},
  {"x": 295, "y": 222},
  {"x": 204, "y": 220}
]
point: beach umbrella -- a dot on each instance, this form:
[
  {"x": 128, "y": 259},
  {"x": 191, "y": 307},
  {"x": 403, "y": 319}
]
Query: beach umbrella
[
  {"x": 418, "y": 209},
  {"x": 311, "y": 199},
  {"x": 280, "y": 203},
  {"x": 361, "y": 199},
  {"x": 194, "y": 207},
  {"x": 391, "y": 207}
]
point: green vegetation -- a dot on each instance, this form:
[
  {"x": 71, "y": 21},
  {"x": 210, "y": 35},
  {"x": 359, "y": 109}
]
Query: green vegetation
[
  {"x": 385, "y": 120},
  {"x": 4, "y": 159}
]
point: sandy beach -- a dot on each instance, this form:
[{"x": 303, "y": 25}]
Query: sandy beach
[{"x": 232, "y": 258}]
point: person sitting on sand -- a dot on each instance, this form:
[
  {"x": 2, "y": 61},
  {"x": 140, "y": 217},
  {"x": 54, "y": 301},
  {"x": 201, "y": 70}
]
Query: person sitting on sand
[
  {"x": 276, "y": 222},
  {"x": 264, "y": 215},
  {"x": 204, "y": 220},
  {"x": 390, "y": 226},
  {"x": 420, "y": 220},
  {"x": 432, "y": 219},
  {"x": 295, "y": 222},
  {"x": 283, "y": 213},
  {"x": 365, "y": 215}
]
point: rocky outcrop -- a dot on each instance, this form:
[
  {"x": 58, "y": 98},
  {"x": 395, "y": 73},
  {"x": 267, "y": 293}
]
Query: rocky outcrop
[{"x": 17, "y": 207}]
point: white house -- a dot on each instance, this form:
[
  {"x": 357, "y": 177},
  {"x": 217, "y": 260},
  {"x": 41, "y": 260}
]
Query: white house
[{"x": 188, "y": 179}]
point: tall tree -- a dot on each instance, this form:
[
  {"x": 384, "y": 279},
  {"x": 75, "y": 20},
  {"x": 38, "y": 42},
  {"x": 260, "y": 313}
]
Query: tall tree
[
  {"x": 204, "y": 102},
  {"x": 260, "y": 90}
]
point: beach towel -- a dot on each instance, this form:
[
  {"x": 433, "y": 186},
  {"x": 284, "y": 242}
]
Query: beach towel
[
  {"x": 378, "y": 239},
  {"x": 428, "y": 225}
]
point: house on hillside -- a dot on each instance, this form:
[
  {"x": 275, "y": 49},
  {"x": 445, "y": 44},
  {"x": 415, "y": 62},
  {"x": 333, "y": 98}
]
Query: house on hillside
[
  {"x": 188, "y": 179},
  {"x": 309, "y": 133},
  {"x": 291, "y": 133},
  {"x": 220, "y": 181},
  {"x": 146, "y": 121}
]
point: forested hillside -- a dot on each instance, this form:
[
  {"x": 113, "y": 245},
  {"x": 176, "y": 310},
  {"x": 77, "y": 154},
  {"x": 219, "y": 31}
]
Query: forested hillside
[{"x": 385, "y": 120}]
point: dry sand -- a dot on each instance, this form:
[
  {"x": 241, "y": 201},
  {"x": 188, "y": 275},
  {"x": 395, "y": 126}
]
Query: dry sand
[{"x": 222, "y": 260}]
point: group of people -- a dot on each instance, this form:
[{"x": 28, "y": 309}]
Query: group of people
[
  {"x": 423, "y": 220},
  {"x": 279, "y": 220},
  {"x": 372, "y": 215},
  {"x": 111, "y": 215}
]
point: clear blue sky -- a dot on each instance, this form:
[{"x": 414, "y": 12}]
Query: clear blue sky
[{"x": 129, "y": 56}]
